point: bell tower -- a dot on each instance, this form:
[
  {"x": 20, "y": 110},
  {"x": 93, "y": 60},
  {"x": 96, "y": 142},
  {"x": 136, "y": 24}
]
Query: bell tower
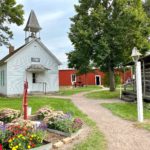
[{"x": 32, "y": 28}]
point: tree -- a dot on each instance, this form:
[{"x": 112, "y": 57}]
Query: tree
[
  {"x": 10, "y": 13},
  {"x": 146, "y": 6},
  {"x": 105, "y": 32}
]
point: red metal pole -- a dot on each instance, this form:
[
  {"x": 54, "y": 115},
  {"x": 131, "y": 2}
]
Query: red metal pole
[{"x": 25, "y": 100}]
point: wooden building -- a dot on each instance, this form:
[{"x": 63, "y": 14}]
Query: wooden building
[
  {"x": 69, "y": 77},
  {"x": 33, "y": 62},
  {"x": 129, "y": 92}
]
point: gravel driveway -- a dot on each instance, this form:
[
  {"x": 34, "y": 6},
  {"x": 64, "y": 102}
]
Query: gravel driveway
[{"x": 120, "y": 134}]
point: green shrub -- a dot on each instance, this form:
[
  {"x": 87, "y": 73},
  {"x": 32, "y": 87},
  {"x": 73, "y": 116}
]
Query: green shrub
[{"x": 106, "y": 79}]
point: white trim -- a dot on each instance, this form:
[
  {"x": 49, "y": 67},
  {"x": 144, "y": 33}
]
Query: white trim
[
  {"x": 42, "y": 45},
  {"x": 99, "y": 79},
  {"x": 75, "y": 78}
]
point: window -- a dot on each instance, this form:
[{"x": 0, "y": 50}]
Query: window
[
  {"x": 2, "y": 78},
  {"x": 34, "y": 78},
  {"x": 73, "y": 78},
  {"x": 35, "y": 59}
]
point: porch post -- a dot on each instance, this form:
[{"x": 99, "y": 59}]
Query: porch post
[{"x": 139, "y": 92}]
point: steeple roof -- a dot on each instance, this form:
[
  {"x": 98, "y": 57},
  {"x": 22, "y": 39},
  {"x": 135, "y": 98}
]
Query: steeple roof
[{"x": 32, "y": 24}]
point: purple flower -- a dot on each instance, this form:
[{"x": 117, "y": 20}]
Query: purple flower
[
  {"x": 42, "y": 126},
  {"x": 3, "y": 127}
]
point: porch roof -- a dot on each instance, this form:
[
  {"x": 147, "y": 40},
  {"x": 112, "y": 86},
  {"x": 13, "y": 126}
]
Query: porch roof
[{"x": 36, "y": 68}]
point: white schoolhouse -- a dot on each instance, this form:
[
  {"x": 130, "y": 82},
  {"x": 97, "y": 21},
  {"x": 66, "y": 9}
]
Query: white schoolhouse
[{"x": 32, "y": 61}]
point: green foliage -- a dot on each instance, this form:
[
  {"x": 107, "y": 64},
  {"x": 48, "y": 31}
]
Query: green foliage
[
  {"x": 21, "y": 137},
  {"x": 7, "y": 115},
  {"x": 95, "y": 139},
  {"x": 146, "y": 6},
  {"x": 67, "y": 125},
  {"x": 106, "y": 79},
  {"x": 105, "y": 32},
  {"x": 10, "y": 12}
]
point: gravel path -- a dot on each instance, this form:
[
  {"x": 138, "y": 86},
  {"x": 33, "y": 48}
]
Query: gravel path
[{"x": 120, "y": 134}]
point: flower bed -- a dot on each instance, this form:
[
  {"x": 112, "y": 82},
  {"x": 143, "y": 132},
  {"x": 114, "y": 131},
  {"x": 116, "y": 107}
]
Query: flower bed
[
  {"x": 21, "y": 137},
  {"x": 21, "y": 134}
]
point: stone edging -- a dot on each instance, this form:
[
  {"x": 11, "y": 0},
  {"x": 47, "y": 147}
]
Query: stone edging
[{"x": 67, "y": 140}]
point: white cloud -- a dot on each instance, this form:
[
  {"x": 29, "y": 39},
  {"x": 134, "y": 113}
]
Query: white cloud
[
  {"x": 50, "y": 16},
  {"x": 53, "y": 17}
]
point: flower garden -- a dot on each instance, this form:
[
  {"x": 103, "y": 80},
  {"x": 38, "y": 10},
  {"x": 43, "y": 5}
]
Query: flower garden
[{"x": 42, "y": 129}]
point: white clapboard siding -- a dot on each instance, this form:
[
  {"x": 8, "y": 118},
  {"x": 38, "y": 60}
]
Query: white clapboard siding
[
  {"x": 16, "y": 70},
  {"x": 3, "y": 86}
]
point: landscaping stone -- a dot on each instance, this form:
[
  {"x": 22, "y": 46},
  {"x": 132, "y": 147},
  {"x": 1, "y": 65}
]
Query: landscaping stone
[
  {"x": 67, "y": 140},
  {"x": 59, "y": 132},
  {"x": 43, "y": 147},
  {"x": 58, "y": 144}
]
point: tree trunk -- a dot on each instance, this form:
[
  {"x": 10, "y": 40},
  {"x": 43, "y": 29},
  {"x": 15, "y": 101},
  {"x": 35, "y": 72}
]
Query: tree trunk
[{"x": 111, "y": 79}]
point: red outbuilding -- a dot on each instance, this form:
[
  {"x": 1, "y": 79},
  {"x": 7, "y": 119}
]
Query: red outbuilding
[{"x": 70, "y": 77}]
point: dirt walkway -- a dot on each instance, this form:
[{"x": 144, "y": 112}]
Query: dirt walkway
[{"x": 120, "y": 134}]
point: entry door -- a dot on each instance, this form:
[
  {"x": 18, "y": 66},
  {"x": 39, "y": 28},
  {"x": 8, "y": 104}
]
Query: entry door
[{"x": 97, "y": 80}]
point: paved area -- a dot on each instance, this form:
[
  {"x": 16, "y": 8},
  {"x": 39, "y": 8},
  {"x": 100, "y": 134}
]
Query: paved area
[{"x": 120, "y": 134}]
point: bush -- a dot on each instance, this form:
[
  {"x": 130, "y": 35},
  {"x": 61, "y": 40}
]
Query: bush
[
  {"x": 43, "y": 112},
  {"x": 106, "y": 79},
  {"x": 7, "y": 115},
  {"x": 66, "y": 124},
  {"x": 18, "y": 137}
]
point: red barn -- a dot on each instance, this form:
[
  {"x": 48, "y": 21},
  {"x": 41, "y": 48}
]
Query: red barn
[{"x": 69, "y": 77}]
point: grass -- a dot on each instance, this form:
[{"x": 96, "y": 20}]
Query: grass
[
  {"x": 71, "y": 91},
  {"x": 126, "y": 111},
  {"x": 145, "y": 125},
  {"x": 103, "y": 95},
  {"x": 95, "y": 141}
]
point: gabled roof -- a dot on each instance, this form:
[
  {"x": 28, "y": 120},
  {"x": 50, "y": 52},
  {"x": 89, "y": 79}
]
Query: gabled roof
[
  {"x": 32, "y": 24},
  {"x": 2, "y": 61},
  {"x": 50, "y": 53},
  {"x": 5, "y": 59}
]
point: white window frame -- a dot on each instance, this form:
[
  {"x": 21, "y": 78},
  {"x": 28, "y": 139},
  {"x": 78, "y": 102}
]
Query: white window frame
[
  {"x": 2, "y": 78},
  {"x": 99, "y": 79},
  {"x": 72, "y": 78}
]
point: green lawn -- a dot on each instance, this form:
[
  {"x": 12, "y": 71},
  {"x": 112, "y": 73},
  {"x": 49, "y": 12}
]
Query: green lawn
[
  {"x": 71, "y": 91},
  {"x": 95, "y": 141},
  {"x": 126, "y": 110},
  {"x": 103, "y": 95}
]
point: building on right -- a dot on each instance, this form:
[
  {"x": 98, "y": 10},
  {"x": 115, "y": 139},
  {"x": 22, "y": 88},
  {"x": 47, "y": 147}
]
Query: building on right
[{"x": 129, "y": 91}]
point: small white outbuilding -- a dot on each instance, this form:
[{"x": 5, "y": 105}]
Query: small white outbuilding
[{"x": 33, "y": 62}]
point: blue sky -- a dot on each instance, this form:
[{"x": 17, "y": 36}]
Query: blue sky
[{"x": 53, "y": 17}]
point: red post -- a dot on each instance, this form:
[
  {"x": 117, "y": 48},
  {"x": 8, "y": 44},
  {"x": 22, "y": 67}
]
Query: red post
[
  {"x": 1, "y": 147},
  {"x": 25, "y": 100}
]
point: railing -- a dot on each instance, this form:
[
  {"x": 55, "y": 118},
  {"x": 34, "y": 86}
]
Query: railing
[
  {"x": 44, "y": 85},
  {"x": 129, "y": 86}
]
